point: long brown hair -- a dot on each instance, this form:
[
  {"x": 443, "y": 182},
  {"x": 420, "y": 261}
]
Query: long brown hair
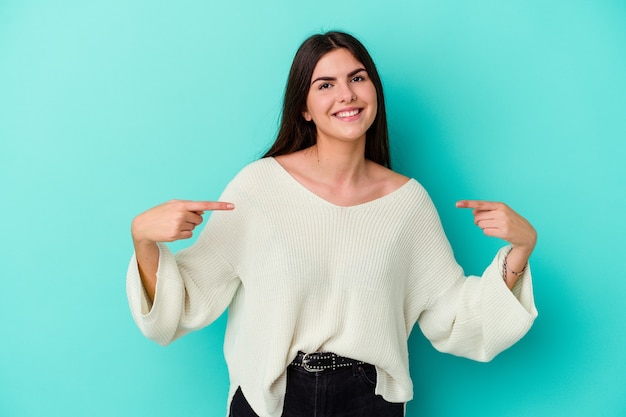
[{"x": 295, "y": 132}]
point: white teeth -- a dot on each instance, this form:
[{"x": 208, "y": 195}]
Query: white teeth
[{"x": 348, "y": 113}]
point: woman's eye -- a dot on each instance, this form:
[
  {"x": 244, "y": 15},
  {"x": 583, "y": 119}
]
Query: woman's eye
[
  {"x": 358, "y": 78},
  {"x": 324, "y": 86}
]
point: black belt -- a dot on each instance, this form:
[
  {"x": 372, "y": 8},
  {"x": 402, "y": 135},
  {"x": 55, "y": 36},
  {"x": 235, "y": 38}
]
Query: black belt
[{"x": 322, "y": 361}]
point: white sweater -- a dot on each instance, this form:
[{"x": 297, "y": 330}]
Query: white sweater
[{"x": 301, "y": 274}]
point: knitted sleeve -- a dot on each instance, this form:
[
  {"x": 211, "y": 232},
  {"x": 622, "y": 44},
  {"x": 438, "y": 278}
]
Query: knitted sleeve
[
  {"x": 195, "y": 286},
  {"x": 473, "y": 317}
]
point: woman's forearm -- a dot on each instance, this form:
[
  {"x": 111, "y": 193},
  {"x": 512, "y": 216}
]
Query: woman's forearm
[
  {"x": 516, "y": 263},
  {"x": 147, "y": 255}
]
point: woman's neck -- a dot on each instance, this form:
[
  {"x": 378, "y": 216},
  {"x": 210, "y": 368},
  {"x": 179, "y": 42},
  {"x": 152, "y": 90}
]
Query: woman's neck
[{"x": 338, "y": 163}]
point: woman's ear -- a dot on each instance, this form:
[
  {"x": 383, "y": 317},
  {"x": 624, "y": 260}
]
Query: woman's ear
[{"x": 306, "y": 115}]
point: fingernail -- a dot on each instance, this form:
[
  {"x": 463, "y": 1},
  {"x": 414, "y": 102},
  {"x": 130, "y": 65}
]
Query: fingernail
[{"x": 230, "y": 206}]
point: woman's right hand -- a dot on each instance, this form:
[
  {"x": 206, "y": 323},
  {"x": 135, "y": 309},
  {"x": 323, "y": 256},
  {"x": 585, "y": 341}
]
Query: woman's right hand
[
  {"x": 172, "y": 220},
  {"x": 166, "y": 222}
]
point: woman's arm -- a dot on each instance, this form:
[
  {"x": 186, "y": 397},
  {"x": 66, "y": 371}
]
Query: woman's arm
[
  {"x": 473, "y": 317},
  {"x": 168, "y": 222},
  {"x": 499, "y": 220}
]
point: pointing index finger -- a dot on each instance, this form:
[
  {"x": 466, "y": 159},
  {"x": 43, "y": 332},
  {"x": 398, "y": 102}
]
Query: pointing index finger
[
  {"x": 199, "y": 206},
  {"x": 476, "y": 204}
]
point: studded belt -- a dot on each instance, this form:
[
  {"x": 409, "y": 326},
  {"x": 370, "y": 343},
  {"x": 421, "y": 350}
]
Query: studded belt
[{"x": 322, "y": 361}]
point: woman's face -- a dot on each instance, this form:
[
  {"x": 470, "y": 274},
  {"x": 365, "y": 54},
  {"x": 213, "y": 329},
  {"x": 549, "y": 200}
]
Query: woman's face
[{"x": 342, "y": 99}]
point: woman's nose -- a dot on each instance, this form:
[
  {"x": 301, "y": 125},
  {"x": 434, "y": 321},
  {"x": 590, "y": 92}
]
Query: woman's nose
[{"x": 345, "y": 94}]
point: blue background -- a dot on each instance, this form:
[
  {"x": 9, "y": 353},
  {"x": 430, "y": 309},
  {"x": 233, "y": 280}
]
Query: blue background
[{"x": 110, "y": 107}]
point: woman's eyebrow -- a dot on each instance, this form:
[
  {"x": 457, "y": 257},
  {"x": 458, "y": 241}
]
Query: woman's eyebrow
[
  {"x": 356, "y": 71},
  {"x": 350, "y": 74}
]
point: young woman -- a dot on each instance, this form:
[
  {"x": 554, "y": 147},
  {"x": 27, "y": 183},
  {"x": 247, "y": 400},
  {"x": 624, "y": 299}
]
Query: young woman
[{"x": 326, "y": 258}]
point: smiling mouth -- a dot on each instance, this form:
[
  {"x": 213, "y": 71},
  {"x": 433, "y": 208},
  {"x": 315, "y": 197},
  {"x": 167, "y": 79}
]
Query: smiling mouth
[{"x": 348, "y": 113}]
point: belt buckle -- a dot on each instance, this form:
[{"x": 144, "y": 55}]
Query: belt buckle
[{"x": 305, "y": 364}]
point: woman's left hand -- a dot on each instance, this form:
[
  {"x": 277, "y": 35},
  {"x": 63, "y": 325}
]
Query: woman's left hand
[{"x": 499, "y": 220}]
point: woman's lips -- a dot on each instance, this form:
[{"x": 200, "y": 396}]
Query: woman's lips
[{"x": 348, "y": 113}]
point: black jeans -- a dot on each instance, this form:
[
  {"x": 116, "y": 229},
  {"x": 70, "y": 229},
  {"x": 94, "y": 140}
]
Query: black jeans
[{"x": 342, "y": 393}]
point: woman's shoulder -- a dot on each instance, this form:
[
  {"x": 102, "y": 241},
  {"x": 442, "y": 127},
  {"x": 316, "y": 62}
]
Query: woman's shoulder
[
  {"x": 261, "y": 175},
  {"x": 387, "y": 179},
  {"x": 256, "y": 169},
  {"x": 408, "y": 189},
  {"x": 253, "y": 179},
  {"x": 390, "y": 175}
]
